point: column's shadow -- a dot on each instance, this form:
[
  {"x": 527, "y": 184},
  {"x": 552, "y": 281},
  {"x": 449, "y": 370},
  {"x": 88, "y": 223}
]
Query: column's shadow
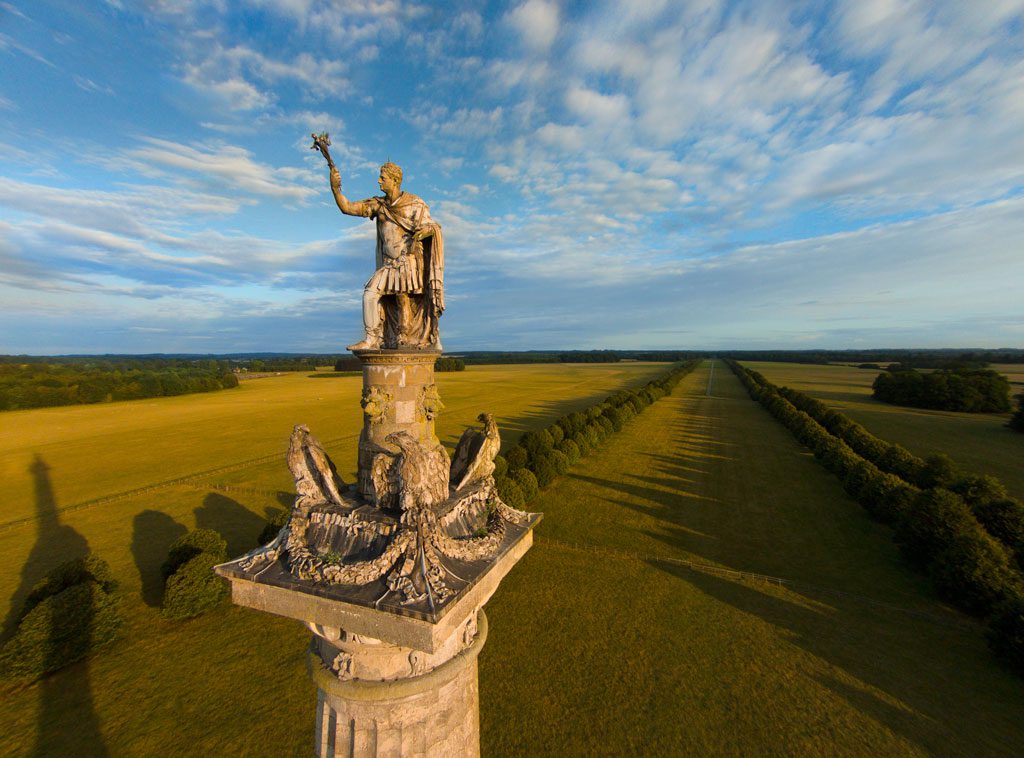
[
  {"x": 67, "y": 720},
  {"x": 153, "y": 533}
]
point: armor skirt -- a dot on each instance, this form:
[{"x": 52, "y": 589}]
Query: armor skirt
[{"x": 398, "y": 275}]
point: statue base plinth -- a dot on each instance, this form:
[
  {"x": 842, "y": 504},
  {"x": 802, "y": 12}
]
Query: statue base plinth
[{"x": 399, "y": 395}]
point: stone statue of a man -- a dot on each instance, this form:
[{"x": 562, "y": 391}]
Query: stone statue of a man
[{"x": 405, "y": 296}]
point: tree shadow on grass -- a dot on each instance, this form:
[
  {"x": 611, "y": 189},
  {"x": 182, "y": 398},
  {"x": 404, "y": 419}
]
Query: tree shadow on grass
[
  {"x": 239, "y": 526},
  {"x": 152, "y": 535},
  {"x": 65, "y": 697},
  {"x": 901, "y": 658}
]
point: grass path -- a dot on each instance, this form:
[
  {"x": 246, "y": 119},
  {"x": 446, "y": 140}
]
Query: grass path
[{"x": 622, "y": 651}]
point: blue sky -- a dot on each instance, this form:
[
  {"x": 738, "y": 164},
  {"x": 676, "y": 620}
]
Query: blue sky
[{"x": 608, "y": 175}]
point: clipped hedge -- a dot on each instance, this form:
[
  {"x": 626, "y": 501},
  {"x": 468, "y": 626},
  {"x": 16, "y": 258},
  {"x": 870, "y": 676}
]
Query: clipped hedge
[
  {"x": 935, "y": 471},
  {"x": 194, "y": 588},
  {"x": 190, "y": 586},
  {"x": 191, "y": 544},
  {"x": 541, "y": 456},
  {"x": 66, "y": 616}
]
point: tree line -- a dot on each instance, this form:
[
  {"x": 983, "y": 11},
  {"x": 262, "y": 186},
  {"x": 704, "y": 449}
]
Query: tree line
[
  {"x": 969, "y": 390},
  {"x": 45, "y": 383}
]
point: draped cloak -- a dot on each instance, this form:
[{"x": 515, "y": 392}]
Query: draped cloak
[{"x": 407, "y": 266}]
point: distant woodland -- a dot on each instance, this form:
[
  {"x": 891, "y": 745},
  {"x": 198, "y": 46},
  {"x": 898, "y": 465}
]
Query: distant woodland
[
  {"x": 40, "y": 383},
  {"x": 970, "y": 390}
]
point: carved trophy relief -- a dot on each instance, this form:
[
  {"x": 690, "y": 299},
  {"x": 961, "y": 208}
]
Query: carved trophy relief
[
  {"x": 376, "y": 403},
  {"x": 430, "y": 402}
]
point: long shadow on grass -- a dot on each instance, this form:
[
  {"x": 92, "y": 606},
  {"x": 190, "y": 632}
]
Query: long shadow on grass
[
  {"x": 236, "y": 523},
  {"x": 65, "y": 697},
  {"x": 152, "y": 535},
  {"x": 899, "y": 656}
]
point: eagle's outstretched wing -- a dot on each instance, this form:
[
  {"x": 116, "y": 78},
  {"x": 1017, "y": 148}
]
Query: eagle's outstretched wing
[
  {"x": 316, "y": 479},
  {"x": 474, "y": 455}
]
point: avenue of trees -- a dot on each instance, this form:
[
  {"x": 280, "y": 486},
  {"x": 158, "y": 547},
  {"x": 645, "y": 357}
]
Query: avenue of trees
[
  {"x": 963, "y": 530},
  {"x": 970, "y": 390}
]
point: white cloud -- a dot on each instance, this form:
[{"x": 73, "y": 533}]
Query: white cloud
[
  {"x": 537, "y": 23},
  {"x": 221, "y": 164}
]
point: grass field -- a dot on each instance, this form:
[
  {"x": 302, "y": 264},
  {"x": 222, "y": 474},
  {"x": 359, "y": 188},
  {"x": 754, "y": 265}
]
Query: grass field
[
  {"x": 979, "y": 442},
  {"x": 60, "y": 467},
  {"x": 629, "y": 651},
  {"x": 604, "y": 639}
]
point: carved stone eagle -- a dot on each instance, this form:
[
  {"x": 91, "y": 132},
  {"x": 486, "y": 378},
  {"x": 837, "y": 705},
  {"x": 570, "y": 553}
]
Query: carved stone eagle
[{"x": 474, "y": 455}]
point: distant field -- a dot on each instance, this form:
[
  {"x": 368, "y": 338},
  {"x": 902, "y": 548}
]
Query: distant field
[
  {"x": 979, "y": 442},
  {"x": 602, "y": 640}
]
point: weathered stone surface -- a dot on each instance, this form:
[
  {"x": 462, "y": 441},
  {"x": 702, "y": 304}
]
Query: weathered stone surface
[
  {"x": 332, "y": 607},
  {"x": 433, "y": 713},
  {"x": 406, "y": 379}
]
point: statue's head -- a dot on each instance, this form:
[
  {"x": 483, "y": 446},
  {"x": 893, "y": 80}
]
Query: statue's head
[{"x": 390, "y": 175}]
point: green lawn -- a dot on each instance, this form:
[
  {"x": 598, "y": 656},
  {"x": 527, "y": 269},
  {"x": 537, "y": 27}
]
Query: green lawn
[
  {"x": 978, "y": 442},
  {"x": 140, "y": 691},
  {"x": 622, "y": 650}
]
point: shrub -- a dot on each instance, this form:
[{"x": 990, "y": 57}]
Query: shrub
[
  {"x": 1006, "y": 633},
  {"x": 527, "y": 483},
  {"x": 557, "y": 434},
  {"x": 189, "y": 545},
  {"x": 62, "y": 627},
  {"x": 559, "y": 460},
  {"x": 274, "y": 525},
  {"x": 614, "y": 416},
  {"x": 1004, "y": 520},
  {"x": 516, "y": 458},
  {"x": 572, "y": 423},
  {"x": 500, "y": 467},
  {"x": 511, "y": 493},
  {"x": 900, "y": 461},
  {"x": 972, "y": 571},
  {"x": 583, "y": 444},
  {"x": 1016, "y": 421},
  {"x": 570, "y": 449},
  {"x": 935, "y": 516},
  {"x": 194, "y": 588},
  {"x": 598, "y": 433},
  {"x": 977, "y": 490},
  {"x": 449, "y": 364},
  {"x": 939, "y": 471},
  {"x": 537, "y": 443},
  {"x": 606, "y": 424},
  {"x": 544, "y": 470},
  {"x": 68, "y": 574}
]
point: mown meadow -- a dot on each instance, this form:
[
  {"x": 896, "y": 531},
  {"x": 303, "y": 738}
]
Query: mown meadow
[
  {"x": 641, "y": 621},
  {"x": 126, "y": 479}
]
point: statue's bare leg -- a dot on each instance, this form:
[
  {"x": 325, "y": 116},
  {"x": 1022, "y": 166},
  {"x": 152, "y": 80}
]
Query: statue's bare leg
[{"x": 372, "y": 322}]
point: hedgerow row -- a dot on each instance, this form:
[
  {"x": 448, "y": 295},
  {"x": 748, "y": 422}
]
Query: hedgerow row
[
  {"x": 1001, "y": 515},
  {"x": 540, "y": 456},
  {"x": 935, "y": 528}
]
